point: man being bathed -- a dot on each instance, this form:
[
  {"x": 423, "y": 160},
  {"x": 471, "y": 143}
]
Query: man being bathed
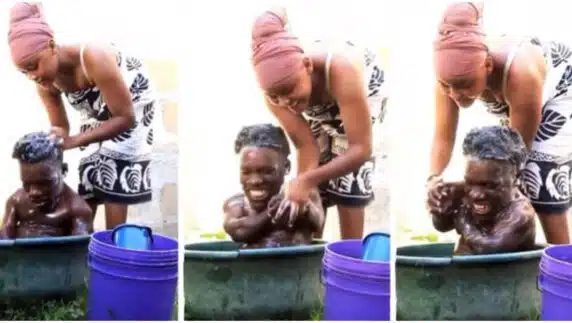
[
  {"x": 487, "y": 209},
  {"x": 45, "y": 205},
  {"x": 251, "y": 217}
]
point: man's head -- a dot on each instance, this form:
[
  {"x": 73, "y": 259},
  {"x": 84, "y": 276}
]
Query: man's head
[
  {"x": 264, "y": 152},
  {"x": 495, "y": 156},
  {"x": 41, "y": 168}
]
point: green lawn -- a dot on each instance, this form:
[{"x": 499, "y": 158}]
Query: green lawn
[{"x": 51, "y": 310}]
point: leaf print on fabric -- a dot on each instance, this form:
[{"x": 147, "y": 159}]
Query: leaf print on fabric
[
  {"x": 150, "y": 137},
  {"x": 133, "y": 63},
  {"x": 119, "y": 59},
  {"x": 125, "y": 134},
  {"x": 130, "y": 178},
  {"x": 498, "y": 108},
  {"x": 376, "y": 80},
  {"x": 565, "y": 82},
  {"x": 532, "y": 180},
  {"x": 369, "y": 56},
  {"x": 107, "y": 174},
  {"x": 558, "y": 183},
  {"x": 148, "y": 113},
  {"x": 560, "y": 53},
  {"x": 140, "y": 84},
  {"x": 147, "y": 178},
  {"x": 550, "y": 124}
]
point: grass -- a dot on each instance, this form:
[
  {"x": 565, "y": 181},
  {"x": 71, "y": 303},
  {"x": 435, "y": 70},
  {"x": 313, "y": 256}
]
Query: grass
[
  {"x": 51, "y": 310},
  {"x": 46, "y": 310}
]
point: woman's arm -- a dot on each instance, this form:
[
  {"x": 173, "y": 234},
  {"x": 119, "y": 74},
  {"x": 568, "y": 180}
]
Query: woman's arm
[
  {"x": 52, "y": 100},
  {"x": 347, "y": 89},
  {"x": 102, "y": 68},
  {"x": 523, "y": 93},
  {"x": 446, "y": 120},
  {"x": 298, "y": 130}
]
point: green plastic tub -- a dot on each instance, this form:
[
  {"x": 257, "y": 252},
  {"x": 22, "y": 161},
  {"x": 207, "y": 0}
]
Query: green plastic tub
[
  {"x": 42, "y": 267},
  {"x": 432, "y": 285},
  {"x": 223, "y": 282}
]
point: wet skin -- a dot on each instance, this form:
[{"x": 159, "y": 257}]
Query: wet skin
[
  {"x": 487, "y": 210},
  {"x": 251, "y": 217},
  {"x": 45, "y": 206}
]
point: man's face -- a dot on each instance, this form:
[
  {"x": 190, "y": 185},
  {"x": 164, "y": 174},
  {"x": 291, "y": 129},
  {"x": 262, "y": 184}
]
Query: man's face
[
  {"x": 42, "y": 182},
  {"x": 489, "y": 185},
  {"x": 262, "y": 172}
]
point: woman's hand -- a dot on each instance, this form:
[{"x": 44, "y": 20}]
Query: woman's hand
[
  {"x": 296, "y": 198},
  {"x": 63, "y": 139}
]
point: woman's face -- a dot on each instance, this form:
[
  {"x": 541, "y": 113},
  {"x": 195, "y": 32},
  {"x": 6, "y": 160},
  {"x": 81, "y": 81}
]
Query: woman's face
[
  {"x": 294, "y": 94},
  {"x": 466, "y": 89},
  {"x": 41, "y": 67}
]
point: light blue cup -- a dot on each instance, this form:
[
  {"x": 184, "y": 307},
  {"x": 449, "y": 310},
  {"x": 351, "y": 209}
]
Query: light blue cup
[
  {"x": 132, "y": 236},
  {"x": 377, "y": 247}
]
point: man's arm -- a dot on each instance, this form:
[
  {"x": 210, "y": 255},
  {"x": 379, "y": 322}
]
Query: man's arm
[
  {"x": 82, "y": 221},
  {"x": 241, "y": 225},
  {"x": 10, "y": 220},
  {"x": 516, "y": 227}
]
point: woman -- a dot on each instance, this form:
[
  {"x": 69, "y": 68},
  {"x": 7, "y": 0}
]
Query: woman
[
  {"x": 526, "y": 83},
  {"x": 111, "y": 91},
  {"x": 326, "y": 101}
]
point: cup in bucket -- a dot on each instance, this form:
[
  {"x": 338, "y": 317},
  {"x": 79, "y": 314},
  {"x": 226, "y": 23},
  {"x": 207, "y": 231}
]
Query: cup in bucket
[
  {"x": 132, "y": 236},
  {"x": 376, "y": 247}
]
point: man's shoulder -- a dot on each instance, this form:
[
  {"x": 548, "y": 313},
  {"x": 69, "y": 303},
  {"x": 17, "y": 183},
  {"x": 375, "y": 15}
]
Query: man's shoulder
[
  {"x": 75, "y": 201},
  {"x": 236, "y": 200},
  {"x": 17, "y": 197}
]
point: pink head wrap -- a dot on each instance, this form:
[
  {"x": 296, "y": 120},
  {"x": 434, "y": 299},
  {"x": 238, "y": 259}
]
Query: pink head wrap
[
  {"x": 29, "y": 32},
  {"x": 276, "y": 54},
  {"x": 460, "y": 46}
]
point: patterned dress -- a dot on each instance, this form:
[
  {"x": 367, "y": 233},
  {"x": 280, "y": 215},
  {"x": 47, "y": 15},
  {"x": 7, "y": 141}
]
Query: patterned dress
[
  {"x": 355, "y": 188},
  {"x": 117, "y": 170},
  {"x": 546, "y": 177}
]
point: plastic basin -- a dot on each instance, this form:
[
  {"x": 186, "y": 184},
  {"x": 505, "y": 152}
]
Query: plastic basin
[
  {"x": 223, "y": 282},
  {"x": 432, "y": 285},
  {"x": 43, "y": 267}
]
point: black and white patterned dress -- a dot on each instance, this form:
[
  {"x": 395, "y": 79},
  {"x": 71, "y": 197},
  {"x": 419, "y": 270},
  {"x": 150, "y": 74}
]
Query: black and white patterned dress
[
  {"x": 117, "y": 170},
  {"x": 546, "y": 177},
  {"x": 355, "y": 188}
]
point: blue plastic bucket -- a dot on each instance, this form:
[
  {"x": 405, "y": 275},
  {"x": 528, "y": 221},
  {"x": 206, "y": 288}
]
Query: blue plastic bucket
[
  {"x": 355, "y": 290},
  {"x": 129, "y": 284},
  {"x": 555, "y": 283}
]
